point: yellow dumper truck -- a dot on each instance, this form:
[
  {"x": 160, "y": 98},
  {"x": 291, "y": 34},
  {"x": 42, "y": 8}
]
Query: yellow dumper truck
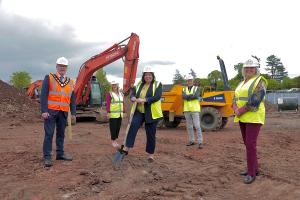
[{"x": 215, "y": 105}]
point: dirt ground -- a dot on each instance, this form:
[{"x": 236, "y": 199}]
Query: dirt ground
[{"x": 179, "y": 172}]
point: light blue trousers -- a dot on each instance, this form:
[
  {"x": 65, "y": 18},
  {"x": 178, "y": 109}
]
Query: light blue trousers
[{"x": 193, "y": 120}]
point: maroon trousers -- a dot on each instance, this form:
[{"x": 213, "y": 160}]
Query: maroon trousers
[{"x": 250, "y": 132}]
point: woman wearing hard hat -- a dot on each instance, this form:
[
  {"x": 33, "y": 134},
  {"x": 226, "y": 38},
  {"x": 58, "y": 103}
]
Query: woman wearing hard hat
[
  {"x": 114, "y": 108},
  {"x": 249, "y": 111},
  {"x": 147, "y": 95}
]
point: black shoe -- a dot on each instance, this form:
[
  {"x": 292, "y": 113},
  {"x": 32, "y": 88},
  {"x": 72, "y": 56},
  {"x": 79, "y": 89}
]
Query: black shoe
[
  {"x": 200, "y": 146},
  {"x": 48, "y": 162},
  {"x": 64, "y": 157},
  {"x": 249, "y": 179},
  {"x": 246, "y": 173},
  {"x": 190, "y": 144}
]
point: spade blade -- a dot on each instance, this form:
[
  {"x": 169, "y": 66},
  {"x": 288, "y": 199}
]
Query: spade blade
[{"x": 117, "y": 158}]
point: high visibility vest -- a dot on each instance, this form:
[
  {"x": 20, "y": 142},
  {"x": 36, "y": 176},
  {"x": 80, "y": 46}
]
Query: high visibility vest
[
  {"x": 116, "y": 105},
  {"x": 156, "y": 106},
  {"x": 192, "y": 105},
  {"x": 59, "y": 97},
  {"x": 242, "y": 93}
]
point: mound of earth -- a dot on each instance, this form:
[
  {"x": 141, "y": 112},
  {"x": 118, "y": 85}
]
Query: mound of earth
[{"x": 15, "y": 105}]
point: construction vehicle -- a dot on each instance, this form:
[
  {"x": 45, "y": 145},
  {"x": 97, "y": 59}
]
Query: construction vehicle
[
  {"x": 87, "y": 88},
  {"x": 34, "y": 90},
  {"x": 215, "y": 105}
]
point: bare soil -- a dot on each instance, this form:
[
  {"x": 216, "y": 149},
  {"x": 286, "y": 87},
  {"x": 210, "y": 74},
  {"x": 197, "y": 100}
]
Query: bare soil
[{"x": 178, "y": 172}]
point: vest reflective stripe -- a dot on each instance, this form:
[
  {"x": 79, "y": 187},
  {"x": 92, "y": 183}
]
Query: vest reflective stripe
[
  {"x": 116, "y": 105},
  {"x": 59, "y": 97},
  {"x": 156, "y": 106},
  {"x": 60, "y": 93},
  {"x": 58, "y": 103},
  {"x": 192, "y": 105},
  {"x": 241, "y": 98},
  {"x": 243, "y": 92}
]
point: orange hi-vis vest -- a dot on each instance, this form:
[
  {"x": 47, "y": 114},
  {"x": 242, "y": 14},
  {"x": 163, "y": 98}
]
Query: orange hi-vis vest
[{"x": 59, "y": 97}]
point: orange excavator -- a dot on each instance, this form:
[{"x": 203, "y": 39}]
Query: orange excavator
[
  {"x": 34, "y": 89},
  {"x": 87, "y": 88}
]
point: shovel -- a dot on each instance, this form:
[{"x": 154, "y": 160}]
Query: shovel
[{"x": 120, "y": 154}]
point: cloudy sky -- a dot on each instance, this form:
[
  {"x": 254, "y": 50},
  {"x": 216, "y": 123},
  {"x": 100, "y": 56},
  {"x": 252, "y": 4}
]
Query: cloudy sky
[{"x": 174, "y": 34}]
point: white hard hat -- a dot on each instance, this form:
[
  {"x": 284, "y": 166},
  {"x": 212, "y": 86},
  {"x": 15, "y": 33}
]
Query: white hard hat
[
  {"x": 250, "y": 63},
  {"x": 148, "y": 68},
  {"x": 189, "y": 77},
  {"x": 114, "y": 83},
  {"x": 62, "y": 61}
]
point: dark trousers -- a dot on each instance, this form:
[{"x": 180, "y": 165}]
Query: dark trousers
[
  {"x": 114, "y": 126},
  {"x": 250, "y": 133},
  {"x": 58, "y": 119},
  {"x": 137, "y": 121}
]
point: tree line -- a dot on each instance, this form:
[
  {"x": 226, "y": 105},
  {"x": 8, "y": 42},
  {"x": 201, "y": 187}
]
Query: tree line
[{"x": 276, "y": 75}]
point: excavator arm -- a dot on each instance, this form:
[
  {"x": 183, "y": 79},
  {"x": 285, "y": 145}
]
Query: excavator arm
[
  {"x": 32, "y": 87},
  {"x": 115, "y": 52}
]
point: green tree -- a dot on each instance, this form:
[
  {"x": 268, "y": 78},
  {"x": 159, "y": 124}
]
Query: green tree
[
  {"x": 239, "y": 67},
  {"x": 287, "y": 83},
  {"x": 275, "y": 68},
  {"x": 214, "y": 75},
  {"x": 215, "y": 79},
  {"x": 234, "y": 82},
  {"x": 273, "y": 85},
  {"x": 238, "y": 78},
  {"x": 20, "y": 79},
  {"x": 178, "y": 78},
  {"x": 104, "y": 84},
  {"x": 296, "y": 82},
  {"x": 202, "y": 83}
]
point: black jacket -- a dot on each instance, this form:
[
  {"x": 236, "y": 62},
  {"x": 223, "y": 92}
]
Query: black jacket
[{"x": 149, "y": 100}]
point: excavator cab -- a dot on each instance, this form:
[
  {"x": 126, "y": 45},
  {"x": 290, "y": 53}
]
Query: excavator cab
[{"x": 95, "y": 98}]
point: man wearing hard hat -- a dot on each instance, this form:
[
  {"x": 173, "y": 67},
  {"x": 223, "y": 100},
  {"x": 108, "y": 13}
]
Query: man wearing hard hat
[
  {"x": 191, "y": 108},
  {"x": 57, "y": 99}
]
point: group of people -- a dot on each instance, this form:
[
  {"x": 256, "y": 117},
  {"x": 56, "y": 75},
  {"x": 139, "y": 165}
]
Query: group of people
[{"x": 58, "y": 99}]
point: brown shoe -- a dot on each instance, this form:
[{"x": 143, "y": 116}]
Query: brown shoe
[{"x": 200, "y": 146}]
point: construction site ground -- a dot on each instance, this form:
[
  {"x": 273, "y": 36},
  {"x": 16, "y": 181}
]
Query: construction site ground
[{"x": 178, "y": 172}]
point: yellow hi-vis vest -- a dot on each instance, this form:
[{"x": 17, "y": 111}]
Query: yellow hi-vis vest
[
  {"x": 242, "y": 93},
  {"x": 116, "y": 105},
  {"x": 192, "y": 105},
  {"x": 156, "y": 106}
]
